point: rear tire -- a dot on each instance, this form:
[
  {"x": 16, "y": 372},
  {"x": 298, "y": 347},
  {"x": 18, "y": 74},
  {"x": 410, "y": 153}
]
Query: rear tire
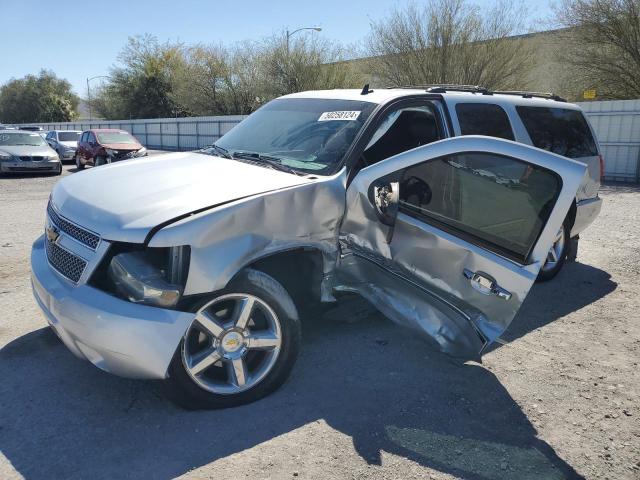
[
  {"x": 243, "y": 363},
  {"x": 100, "y": 160},
  {"x": 556, "y": 257}
]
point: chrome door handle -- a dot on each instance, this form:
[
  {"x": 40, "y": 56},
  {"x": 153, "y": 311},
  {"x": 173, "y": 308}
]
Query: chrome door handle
[{"x": 486, "y": 284}]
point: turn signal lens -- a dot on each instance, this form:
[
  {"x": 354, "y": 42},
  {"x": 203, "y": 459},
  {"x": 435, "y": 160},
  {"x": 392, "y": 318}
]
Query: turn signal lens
[{"x": 601, "y": 167}]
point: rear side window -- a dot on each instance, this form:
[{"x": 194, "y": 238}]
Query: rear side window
[
  {"x": 559, "y": 130},
  {"x": 500, "y": 203},
  {"x": 484, "y": 119}
]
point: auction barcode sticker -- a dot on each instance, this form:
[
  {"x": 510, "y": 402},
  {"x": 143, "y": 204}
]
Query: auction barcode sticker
[{"x": 344, "y": 115}]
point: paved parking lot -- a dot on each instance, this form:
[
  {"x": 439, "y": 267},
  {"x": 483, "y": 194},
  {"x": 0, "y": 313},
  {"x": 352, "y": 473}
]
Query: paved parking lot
[{"x": 366, "y": 398}]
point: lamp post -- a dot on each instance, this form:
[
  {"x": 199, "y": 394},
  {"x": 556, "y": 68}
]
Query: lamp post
[
  {"x": 89, "y": 91},
  {"x": 290, "y": 34}
]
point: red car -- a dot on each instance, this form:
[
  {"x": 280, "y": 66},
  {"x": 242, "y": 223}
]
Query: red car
[{"x": 105, "y": 145}]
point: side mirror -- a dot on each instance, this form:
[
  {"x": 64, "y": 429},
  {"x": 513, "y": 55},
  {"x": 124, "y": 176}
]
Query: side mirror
[{"x": 386, "y": 198}]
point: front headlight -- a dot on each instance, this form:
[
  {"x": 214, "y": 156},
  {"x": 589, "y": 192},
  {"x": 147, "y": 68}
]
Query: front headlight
[
  {"x": 154, "y": 276},
  {"x": 5, "y": 157},
  {"x": 53, "y": 157},
  {"x": 142, "y": 152},
  {"x": 109, "y": 152}
]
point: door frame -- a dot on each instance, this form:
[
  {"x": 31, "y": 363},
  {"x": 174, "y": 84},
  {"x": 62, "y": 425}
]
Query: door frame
[{"x": 445, "y": 126}]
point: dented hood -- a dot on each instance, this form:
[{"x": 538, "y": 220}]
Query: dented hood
[{"x": 124, "y": 201}]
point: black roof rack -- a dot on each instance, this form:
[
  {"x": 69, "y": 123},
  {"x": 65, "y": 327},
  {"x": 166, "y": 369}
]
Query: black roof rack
[
  {"x": 442, "y": 88},
  {"x": 524, "y": 94}
]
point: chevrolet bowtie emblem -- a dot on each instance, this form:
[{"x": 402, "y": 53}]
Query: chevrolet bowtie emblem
[{"x": 52, "y": 233}]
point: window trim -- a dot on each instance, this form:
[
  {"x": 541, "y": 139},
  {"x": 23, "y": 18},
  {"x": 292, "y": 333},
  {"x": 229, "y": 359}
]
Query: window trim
[
  {"x": 485, "y": 104},
  {"x": 469, "y": 237}
]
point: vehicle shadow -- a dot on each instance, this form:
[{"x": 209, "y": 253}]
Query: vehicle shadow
[
  {"x": 575, "y": 286},
  {"x": 27, "y": 175},
  {"x": 371, "y": 381}
]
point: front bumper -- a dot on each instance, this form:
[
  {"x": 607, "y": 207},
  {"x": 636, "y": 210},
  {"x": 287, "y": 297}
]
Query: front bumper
[
  {"x": 20, "y": 166},
  {"x": 67, "y": 154},
  {"x": 120, "y": 337},
  {"x": 586, "y": 212}
]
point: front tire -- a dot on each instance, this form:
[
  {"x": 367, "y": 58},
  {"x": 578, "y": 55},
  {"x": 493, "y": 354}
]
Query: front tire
[
  {"x": 79, "y": 164},
  {"x": 556, "y": 257},
  {"x": 241, "y": 345}
]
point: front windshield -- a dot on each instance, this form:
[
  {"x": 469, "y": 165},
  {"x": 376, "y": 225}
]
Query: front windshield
[
  {"x": 308, "y": 135},
  {"x": 115, "y": 137},
  {"x": 21, "y": 138},
  {"x": 69, "y": 136}
]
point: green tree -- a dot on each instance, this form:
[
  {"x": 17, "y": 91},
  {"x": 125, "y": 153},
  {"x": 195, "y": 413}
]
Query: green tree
[
  {"x": 141, "y": 86},
  {"x": 307, "y": 62},
  {"x": 41, "y": 98}
]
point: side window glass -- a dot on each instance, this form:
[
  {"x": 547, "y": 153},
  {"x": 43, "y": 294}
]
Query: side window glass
[
  {"x": 484, "y": 119},
  {"x": 559, "y": 130},
  {"x": 402, "y": 130},
  {"x": 497, "y": 202},
  {"x": 83, "y": 138},
  {"x": 91, "y": 138}
]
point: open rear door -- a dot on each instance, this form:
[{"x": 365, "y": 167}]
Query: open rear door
[{"x": 448, "y": 238}]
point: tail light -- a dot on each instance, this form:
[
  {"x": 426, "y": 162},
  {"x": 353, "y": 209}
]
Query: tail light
[{"x": 601, "y": 167}]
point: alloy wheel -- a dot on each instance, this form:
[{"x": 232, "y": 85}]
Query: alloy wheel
[
  {"x": 555, "y": 252},
  {"x": 232, "y": 344}
]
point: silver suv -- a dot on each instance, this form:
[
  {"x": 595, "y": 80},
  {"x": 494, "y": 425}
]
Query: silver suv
[{"x": 198, "y": 267}]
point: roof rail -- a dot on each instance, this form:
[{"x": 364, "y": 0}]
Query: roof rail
[
  {"x": 442, "y": 88},
  {"x": 525, "y": 94}
]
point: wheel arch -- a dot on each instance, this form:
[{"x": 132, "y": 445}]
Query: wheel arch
[
  {"x": 571, "y": 215},
  {"x": 299, "y": 270}
]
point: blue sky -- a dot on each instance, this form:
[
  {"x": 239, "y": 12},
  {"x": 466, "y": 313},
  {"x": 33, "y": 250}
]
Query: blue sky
[{"x": 81, "y": 38}]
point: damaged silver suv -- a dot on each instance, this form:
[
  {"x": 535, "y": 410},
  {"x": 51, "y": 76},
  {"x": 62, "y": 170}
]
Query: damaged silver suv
[{"x": 198, "y": 267}]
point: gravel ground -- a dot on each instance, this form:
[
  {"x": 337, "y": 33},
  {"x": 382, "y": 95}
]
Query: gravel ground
[{"x": 366, "y": 398}]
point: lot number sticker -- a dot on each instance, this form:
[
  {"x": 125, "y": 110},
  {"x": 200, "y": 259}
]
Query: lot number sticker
[{"x": 344, "y": 115}]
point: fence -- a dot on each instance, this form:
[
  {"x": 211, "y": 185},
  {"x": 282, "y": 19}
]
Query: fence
[
  {"x": 162, "y": 133},
  {"x": 617, "y": 126}
]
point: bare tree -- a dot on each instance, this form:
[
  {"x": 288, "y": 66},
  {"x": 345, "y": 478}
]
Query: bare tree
[
  {"x": 602, "y": 45},
  {"x": 450, "y": 41}
]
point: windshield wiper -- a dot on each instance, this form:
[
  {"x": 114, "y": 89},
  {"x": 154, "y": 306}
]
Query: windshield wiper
[
  {"x": 223, "y": 152},
  {"x": 274, "y": 162}
]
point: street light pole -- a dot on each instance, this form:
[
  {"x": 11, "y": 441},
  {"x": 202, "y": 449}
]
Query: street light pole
[
  {"x": 290, "y": 34},
  {"x": 89, "y": 92}
]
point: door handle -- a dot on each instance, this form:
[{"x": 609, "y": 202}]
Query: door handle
[{"x": 486, "y": 284}]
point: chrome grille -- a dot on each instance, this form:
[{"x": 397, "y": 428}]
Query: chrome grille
[
  {"x": 85, "y": 237},
  {"x": 65, "y": 262}
]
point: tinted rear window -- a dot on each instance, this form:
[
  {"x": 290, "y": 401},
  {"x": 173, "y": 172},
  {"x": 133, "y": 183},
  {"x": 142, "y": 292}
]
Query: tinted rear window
[
  {"x": 484, "y": 119},
  {"x": 559, "y": 130}
]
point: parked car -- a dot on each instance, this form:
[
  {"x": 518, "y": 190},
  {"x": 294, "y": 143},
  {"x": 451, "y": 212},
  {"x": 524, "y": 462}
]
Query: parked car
[
  {"x": 101, "y": 146},
  {"x": 198, "y": 267},
  {"x": 24, "y": 151},
  {"x": 65, "y": 142},
  {"x": 32, "y": 129}
]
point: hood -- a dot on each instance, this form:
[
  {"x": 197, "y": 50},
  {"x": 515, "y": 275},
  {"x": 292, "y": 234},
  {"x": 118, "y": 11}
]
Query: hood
[
  {"x": 122, "y": 146},
  {"x": 123, "y": 201},
  {"x": 28, "y": 150},
  {"x": 69, "y": 144}
]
